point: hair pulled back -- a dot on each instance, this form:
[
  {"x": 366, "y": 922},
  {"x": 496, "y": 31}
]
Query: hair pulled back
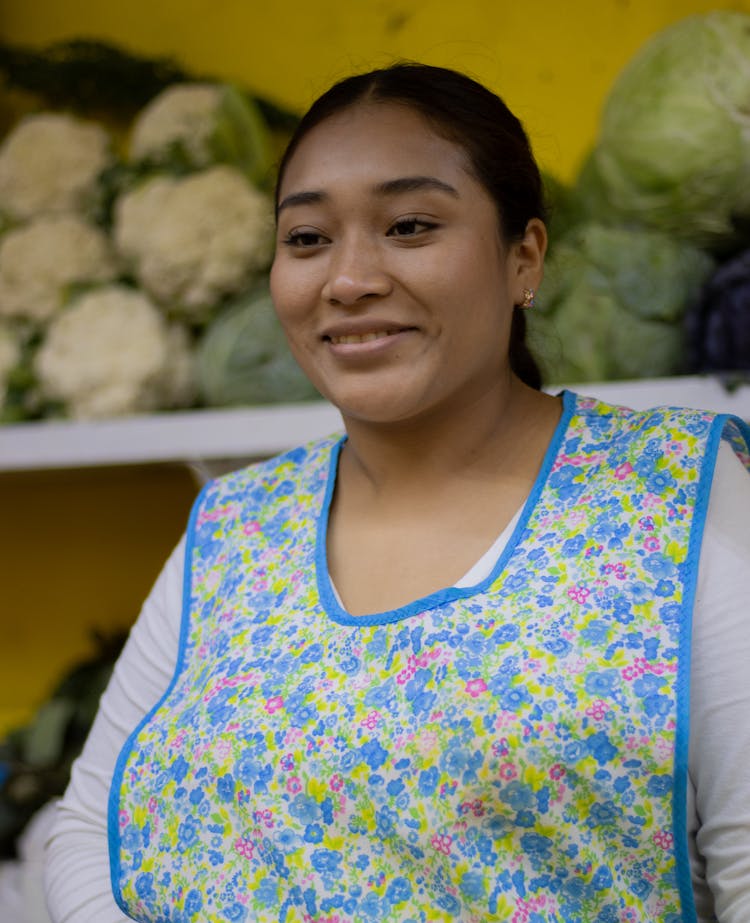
[{"x": 465, "y": 112}]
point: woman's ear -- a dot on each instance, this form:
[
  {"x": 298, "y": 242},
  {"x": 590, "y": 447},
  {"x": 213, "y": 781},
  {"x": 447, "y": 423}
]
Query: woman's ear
[{"x": 528, "y": 259}]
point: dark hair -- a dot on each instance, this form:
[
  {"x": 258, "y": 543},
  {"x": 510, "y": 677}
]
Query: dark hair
[{"x": 475, "y": 118}]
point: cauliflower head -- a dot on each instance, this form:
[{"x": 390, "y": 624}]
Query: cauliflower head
[
  {"x": 182, "y": 114},
  {"x": 111, "y": 353},
  {"x": 50, "y": 163},
  {"x": 194, "y": 240},
  {"x": 202, "y": 124},
  {"x": 39, "y": 260}
]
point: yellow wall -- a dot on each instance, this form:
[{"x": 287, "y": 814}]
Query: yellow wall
[{"x": 80, "y": 549}]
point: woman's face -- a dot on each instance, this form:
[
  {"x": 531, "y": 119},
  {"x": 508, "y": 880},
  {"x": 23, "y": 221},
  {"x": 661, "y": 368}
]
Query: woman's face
[{"x": 390, "y": 276}]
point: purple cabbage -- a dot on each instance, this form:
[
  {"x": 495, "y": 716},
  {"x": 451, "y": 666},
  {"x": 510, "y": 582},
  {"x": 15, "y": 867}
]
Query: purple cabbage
[{"x": 718, "y": 326}]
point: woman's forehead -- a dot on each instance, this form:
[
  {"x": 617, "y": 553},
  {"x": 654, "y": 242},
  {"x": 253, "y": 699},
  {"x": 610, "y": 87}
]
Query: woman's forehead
[{"x": 374, "y": 137}]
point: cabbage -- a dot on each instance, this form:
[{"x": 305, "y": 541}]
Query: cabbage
[
  {"x": 674, "y": 146},
  {"x": 719, "y": 324},
  {"x": 612, "y": 304},
  {"x": 243, "y": 356}
]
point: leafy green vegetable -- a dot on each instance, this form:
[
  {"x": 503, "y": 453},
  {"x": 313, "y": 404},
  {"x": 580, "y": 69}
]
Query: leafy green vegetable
[
  {"x": 612, "y": 304},
  {"x": 674, "y": 146},
  {"x": 243, "y": 356}
]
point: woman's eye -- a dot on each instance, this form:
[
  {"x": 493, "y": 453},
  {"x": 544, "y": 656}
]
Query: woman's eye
[
  {"x": 408, "y": 227},
  {"x": 304, "y": 239}
]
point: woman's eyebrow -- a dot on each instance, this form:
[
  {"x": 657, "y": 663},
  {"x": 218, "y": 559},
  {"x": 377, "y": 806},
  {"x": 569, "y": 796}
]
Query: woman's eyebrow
[
  {"x": 301, "y": 198},
  {"x": 414, "y": 183},
  {"x": 387, "y": 187}
]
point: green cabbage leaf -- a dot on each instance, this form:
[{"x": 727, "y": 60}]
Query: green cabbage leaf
[
  {"x": 613, "y": 302},
  {"x": 673, "y": 151},
  {"x": 243, "y": 357}
]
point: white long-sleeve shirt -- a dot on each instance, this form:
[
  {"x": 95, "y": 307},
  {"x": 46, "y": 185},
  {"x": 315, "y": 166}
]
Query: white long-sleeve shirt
[{"x": 77, "y": 877}]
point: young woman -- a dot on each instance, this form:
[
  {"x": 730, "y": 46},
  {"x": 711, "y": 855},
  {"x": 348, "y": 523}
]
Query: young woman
[{"x": 483, "y": 657}]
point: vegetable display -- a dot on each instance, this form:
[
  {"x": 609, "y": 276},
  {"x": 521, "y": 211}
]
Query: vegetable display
[
  {"x": 674, "y": 146},
  {"x": 661, "y": 203},
  {"x": 134, "y": 253},
  {"x": 601, "y": 280}
]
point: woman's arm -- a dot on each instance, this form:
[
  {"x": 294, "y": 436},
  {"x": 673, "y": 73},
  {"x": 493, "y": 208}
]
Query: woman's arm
[
  {"x": 77, "y": 879},
  {"x": 719, "y": 758}
]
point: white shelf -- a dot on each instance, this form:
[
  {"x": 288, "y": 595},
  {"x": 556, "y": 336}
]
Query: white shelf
[{"x": 201, "y": 436}]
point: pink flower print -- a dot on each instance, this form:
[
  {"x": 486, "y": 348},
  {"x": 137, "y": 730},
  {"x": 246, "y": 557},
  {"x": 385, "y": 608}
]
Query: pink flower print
[
  {"x": 287, "y": 762},
  {"x": 123, "y": 818},
  {"x": 500, "y": 747},
  {"x": 597, "y": 710},
  {"x": 244, "y": 847},
  {"x": 646, "y": 523},
  {"x": 476, "y": 687},
  {"x": 652, "y": 543},
  {"x": 579, "y": 593},
  {"x": 371, "y": 721},
  {"x": 153, "y": 805},
  {"x": 636, "y": 669},
  {"x": 293, "y": 785},
  {"x": 441, "y": 842},
  {"x": 477, "y": 808},
  {"x": 508, "y": 771},
  {"x": 250, "y": 528},
  {"x": 663, "y": 839},
  {"x": 557, "y": 771},
  {"x": 274, "y": 704},
  {"x": 623, "y": 470},
  {"x": 336, "y": 783}
]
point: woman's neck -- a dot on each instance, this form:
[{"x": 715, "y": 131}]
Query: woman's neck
[{"x": 504, "y": 433}]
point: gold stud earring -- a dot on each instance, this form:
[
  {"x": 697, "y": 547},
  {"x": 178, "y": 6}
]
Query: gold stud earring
[{"x": 528, "y": 299}]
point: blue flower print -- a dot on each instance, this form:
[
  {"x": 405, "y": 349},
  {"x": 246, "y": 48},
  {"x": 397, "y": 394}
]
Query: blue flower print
[
  {"x": 537, "y": 845},
  {"x": 305, "y": 809},
  {"x": 371, "y": 907},
  {"x": 193, "y": 902},
  {"x": 399, "y": 890},
  {"x": 568, "y": 481},
  {"x": 236, "y": 912},
  {"x": 144, "y": 887},
  {"x": 449, "y": 904},
  {"x": 602, "y": 814},
  {"x": 602, "y": 683},
  {"x": 267, "y": 892},
  {"x": 659, "y": 565},
  {"x": 187, "y": 833},
  {"x": 326, "y": 860},
  {"x": 472, "y": 886},
  {"x": 373, "y": 754},
  {"x": 660, "y": 482},
  {"x": 179, "y": 769},
  {"x": 518, "y": 795},
  {"x": 659, "y": 785},
  {"x": 657, "y": 705},
  {"x": 313, "y": 833},
  {"x": 601, "y": 748},
  {"x": 428, "y": 781},
  {"x": 506, "y": 634},
  {"x": 602, "y": 879},
  {"x": 573, "y": 546},
  {"x": 225, "y": 787}
]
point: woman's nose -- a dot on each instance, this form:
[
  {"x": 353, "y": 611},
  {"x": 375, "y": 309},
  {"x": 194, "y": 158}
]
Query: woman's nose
[{"x": 354, "y": 273}]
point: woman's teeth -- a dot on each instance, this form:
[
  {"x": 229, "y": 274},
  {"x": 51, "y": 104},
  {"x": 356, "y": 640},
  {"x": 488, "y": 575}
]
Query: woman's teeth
[{"x": 360, "y": 337}]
